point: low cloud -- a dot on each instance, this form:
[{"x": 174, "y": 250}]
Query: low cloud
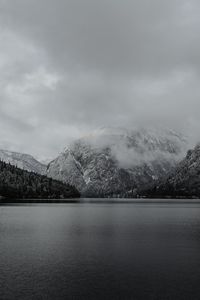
[
  {"x": 135, "y": 147},
  {"x": 68, "y": 67}
]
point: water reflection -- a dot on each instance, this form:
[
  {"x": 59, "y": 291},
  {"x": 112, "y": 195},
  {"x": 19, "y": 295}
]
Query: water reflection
[{"x": 100, "y": 251}]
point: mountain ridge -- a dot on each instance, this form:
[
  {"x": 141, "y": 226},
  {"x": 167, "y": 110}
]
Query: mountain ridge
[
  {"x": 23, "y": 161},
  {"x": 184, "y": 181},
  {"x": 107, "y": 163}
]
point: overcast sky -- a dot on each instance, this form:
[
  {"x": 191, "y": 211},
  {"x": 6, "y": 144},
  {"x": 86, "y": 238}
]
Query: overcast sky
[{"x": 70, "y": 66}]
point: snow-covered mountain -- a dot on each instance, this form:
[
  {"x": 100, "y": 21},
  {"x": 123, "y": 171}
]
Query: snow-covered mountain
[
  {"x": 117, "y": 161},
  {"x": 22, "y": 161}
]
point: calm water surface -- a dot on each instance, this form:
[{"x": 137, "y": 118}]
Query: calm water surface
[{"x": 100, "y": 251}]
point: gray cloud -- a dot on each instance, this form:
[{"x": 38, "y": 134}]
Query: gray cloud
[{"x": 69, "y": 66}]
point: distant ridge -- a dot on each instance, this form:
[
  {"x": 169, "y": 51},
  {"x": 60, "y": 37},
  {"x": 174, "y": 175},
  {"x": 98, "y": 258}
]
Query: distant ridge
[{"x": 23, "y": 161}]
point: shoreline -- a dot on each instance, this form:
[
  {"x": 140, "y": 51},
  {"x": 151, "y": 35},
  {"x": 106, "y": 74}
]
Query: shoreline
[{"x": 101, "y": 201}]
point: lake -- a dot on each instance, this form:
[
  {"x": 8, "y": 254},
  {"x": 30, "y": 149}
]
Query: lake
[{"x": 100, "y": 251}]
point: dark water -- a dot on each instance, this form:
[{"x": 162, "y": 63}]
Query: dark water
[{"x": 100, "y": 251}]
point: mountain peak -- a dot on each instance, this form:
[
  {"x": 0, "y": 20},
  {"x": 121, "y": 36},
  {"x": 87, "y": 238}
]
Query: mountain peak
[{"x": 115, "y": 160}]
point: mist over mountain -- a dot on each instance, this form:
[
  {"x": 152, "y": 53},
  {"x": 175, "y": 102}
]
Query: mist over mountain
[
  {"x": 116, "y": 161},
  {"x": 120, "y": 162},
  {"x": 132, "y": 147}
]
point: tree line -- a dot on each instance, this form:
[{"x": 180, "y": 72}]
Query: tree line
[{"x": 18, "y": 183}]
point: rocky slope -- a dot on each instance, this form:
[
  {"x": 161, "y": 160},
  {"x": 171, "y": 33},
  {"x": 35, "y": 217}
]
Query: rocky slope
[
  {"x": 184, "y": 180},
  {"x": 22, "y": 161},
  {"x": 118, "y": 162}
]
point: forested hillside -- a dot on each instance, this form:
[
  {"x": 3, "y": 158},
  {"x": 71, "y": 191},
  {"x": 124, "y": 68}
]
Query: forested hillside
[
  {"x": 184, "y": 180},
  {"x": 18, "y": 183}
]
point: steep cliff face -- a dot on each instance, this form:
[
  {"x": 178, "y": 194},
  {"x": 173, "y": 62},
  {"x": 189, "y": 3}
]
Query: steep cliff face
[
  {"x": 22, "y": 161},
  {"x": 118, "y": 162},
  {"x": 184, "y": 180}
]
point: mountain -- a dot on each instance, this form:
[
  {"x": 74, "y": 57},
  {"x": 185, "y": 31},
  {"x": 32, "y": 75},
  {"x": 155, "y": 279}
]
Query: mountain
[
  {"x": 18, "y": 183},
  {"x": 184, "y": 181},
  {"x": 23, "y": 161},
  {"x": 114, "y": 162}
]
